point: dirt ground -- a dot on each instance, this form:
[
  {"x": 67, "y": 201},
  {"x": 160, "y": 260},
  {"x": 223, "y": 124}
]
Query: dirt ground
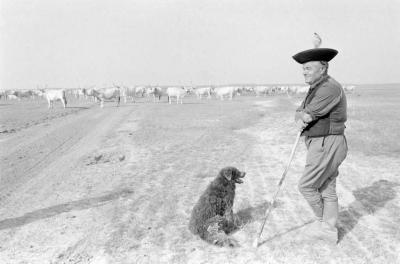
[{"x": 117, "y": 185}]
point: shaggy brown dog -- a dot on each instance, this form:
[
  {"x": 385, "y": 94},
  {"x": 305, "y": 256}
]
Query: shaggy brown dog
[{"x": 212, "y": 217}]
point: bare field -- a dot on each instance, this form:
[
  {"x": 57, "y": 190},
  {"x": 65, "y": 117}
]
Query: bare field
[{"x": 117, "y": 185}]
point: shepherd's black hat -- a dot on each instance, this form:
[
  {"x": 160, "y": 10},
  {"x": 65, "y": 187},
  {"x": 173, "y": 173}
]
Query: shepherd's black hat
[{"x": 317, "y": 54}]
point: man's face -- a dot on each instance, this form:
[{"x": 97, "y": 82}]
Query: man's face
[{"x": 312, "y": 71}]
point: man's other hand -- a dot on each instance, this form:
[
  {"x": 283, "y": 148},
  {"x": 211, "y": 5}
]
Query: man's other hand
[
  {"x": 301, "y": 125},
  {"x": 306, "y": 118}
]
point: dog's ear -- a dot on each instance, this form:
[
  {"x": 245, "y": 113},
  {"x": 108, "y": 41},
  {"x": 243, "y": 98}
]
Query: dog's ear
[{"x": 227, "y": 173}]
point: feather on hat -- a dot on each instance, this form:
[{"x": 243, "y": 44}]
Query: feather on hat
[{"x": 315, "y": 54}]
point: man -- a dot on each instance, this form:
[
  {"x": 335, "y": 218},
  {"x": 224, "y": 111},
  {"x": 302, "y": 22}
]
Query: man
[{"x": 321, "y": 118}]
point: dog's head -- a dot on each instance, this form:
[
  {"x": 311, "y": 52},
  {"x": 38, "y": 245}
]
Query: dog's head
[{"x": 232, "y": 174}]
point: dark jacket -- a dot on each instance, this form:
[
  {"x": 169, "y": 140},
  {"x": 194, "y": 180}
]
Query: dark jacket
[{"x": 326, "y": 104}]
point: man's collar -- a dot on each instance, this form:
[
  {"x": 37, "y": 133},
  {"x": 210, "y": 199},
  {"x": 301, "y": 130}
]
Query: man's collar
[{"x": 322, "y": 79}]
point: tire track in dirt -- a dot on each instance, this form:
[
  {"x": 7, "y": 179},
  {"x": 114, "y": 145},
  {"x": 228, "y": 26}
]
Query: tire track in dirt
[
  {"x": 67, "y": 177},
  {"x": 83, "y": 132},
  {"x": 33, "y": 149}
]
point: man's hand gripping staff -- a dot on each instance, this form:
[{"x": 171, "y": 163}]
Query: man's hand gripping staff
[{"x": 302, "y": 120}]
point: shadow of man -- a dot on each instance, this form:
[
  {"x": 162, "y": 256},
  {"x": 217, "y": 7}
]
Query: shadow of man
[{"x": 368, "y": 201}]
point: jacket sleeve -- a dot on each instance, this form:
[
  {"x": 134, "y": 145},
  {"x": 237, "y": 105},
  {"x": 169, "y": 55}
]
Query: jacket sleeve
[{"x": 325, "y": 99}]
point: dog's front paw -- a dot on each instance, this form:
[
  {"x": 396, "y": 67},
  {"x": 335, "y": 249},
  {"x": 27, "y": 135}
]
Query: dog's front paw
[
  {"x": 227, "y": 242},
  {"x": 232, "y": 243}
]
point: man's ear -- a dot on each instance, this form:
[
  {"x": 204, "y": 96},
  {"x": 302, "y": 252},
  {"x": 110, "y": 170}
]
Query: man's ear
[{"x": 227, "y": 173}]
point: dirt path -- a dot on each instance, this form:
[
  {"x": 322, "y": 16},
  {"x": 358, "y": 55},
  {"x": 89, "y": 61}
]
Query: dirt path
[
  {"x": 114, "y": 184},
  {"x": 117, "y": 185},
  {"x": 44, "y": 175}
]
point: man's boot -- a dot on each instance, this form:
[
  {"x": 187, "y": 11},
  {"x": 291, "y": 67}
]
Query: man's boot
[
  {"x": 331, "y": 212},
  {"x": 329, "y": 220},
  {"x": 325, "y": 229}
]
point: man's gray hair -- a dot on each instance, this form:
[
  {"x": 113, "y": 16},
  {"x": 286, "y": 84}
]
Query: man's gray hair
[{"x": 325, "y": 64}]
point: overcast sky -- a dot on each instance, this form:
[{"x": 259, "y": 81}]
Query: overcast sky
[{"x": 70, "y": 43}]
